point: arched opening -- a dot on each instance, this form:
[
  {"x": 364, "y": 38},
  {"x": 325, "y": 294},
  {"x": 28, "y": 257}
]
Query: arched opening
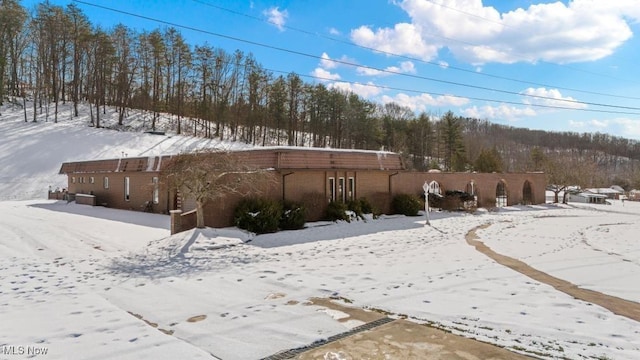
[
  {"x": 501, "y": 194},
  {"x": 527, "y": 193},
  {"x": 434, "y": 188},
  {"x": 435, "y": 195},
  {"x": 472, "y": 189}
]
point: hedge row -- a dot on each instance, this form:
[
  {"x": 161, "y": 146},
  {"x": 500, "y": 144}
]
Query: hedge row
[{"x": 260, "y": 215}]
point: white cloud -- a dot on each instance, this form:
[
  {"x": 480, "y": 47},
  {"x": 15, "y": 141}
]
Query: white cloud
[
  {"x": 577, "y": 124},
  {"x": 624, "y": 127},
  {"x": 402, "y": 39},
  {"x": 550, "y": 97},
  {"x": 276, "y": 17},
  {"x": 502, "y": 112},
  {"x": 581, "y": 30},
  {"x": 443, "y": 64},
  {"x": 326, "y": 63},
  {"x": 406, "y": 67},
  {"x": 370, "y": 72},
  {"x": 334, "y": 31},
  {"x": 629, "y": 128},
  {"x": 364, "y": 90},
  {"x": 324, "y": 75},
  {"x": 422, "y": 102},
  {"x": 601, "y": 124}
]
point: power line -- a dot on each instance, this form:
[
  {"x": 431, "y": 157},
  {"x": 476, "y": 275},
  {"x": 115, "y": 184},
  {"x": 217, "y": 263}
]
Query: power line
[
  {"x": 353, "y": 64},
  {"x": 386, "y": 87},
  {"x": 425, "y": 61},
  {"x": 457, "y": 96}
]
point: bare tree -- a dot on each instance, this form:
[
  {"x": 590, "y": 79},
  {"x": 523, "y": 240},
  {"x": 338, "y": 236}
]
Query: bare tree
[
  {"x": 12, "y": 20},
  {"x": 210, "y": 175},
  {"x": 565, "y": 170},
  {"x": 80, "y": 32},
  {"x": 125, "y": 67}
]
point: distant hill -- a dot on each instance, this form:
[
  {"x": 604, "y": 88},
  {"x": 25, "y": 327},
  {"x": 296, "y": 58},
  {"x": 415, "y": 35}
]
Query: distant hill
[{"x": 607, "y": 159}]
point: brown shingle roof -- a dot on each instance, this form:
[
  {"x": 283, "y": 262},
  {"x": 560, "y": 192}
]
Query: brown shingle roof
[
  {"x": 152, "y": 163},
  {"x": 276, "y": 158}
]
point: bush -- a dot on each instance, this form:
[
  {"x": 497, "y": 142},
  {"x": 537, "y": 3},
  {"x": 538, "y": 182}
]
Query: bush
[
  {"x": 337, "y": 211},
  {"x": 355, "y": 207},
  {"x": 258, "y": 215},
  {"x": 293, "y": 216},
  {"x": 361, "y": 207},
  {"x": 366, "y": 207},
  {"x": 406, "y": 204},
  {"x": 453, "y": 200}
]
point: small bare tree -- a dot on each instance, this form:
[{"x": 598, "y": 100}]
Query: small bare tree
[
  {"x": 565, "y": 170},
  {"x": 214, "y": 174}
]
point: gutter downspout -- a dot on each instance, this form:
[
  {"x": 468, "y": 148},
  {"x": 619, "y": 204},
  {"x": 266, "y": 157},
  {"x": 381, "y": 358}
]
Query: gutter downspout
[
  {"x": 394, "y": 174},
  {"x": 283, "y": 184}
]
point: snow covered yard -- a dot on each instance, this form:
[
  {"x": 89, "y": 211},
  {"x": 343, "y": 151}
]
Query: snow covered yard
[
  {"x": 94, "y": 283},
  {"x": 85, "y": 282}
]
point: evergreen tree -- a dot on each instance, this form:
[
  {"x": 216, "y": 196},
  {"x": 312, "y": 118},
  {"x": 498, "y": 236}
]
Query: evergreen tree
[
  {"x": 488, "y": 161},
  {"x": 454, "y": 152}
]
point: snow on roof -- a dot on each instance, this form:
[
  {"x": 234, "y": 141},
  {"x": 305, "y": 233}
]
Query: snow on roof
[
  {"x": 591, "y": 195},
  {"x": 268, "y": 157},
  {"x": 617, "y": 187},
  {"x": 602, "y": 191}
]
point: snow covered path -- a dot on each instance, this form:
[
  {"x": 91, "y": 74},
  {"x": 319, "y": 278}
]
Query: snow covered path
[
  {"x": 616, "y": 305},
  {"x": 73, "y": 278}
]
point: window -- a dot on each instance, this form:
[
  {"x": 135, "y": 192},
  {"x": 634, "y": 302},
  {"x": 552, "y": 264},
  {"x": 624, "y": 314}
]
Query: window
[
  {"x": 92, "y": 180},
  {"x": 126, "y": 189},
  {"x": 156, "y": 190},
  {"x": 341, "y": 189},
  {"x": 332, "y": 189},
  {"x": 105, "y": 182},
  {"x": 73, "y": 179},
  {"x": 351, "y": 192}
]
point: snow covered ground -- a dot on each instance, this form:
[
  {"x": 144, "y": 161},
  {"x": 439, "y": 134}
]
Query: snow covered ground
[
  {"x": 83, "y": 281},
  {"x": 94, "y": 283}
]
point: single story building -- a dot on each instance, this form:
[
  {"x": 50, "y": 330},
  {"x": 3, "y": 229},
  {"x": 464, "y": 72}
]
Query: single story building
[
  {"x": 310, "y": 176},
  {"x": 588, "y": 198},
  {"x": 610, "y": 193}
]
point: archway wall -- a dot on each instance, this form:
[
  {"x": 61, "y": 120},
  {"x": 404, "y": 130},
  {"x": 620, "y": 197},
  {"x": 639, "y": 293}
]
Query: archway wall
[{"x": 484, "y": 183}]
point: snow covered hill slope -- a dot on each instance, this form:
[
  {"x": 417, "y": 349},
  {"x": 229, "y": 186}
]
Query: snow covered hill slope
[{"x": 31, "y": 152}]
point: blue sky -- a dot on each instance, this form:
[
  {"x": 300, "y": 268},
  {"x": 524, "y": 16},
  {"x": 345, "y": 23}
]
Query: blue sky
[{"x": 491, "y": 59}]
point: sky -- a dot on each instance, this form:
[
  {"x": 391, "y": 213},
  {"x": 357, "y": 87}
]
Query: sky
[{"x": 560, "y": 66}]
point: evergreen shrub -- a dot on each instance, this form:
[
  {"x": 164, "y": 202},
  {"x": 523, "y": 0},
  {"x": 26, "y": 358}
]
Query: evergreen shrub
[
  {"x": 293, "y": 216},
  {"x": 337, "y": 210},
  {"x": 258, "y": 215},
  {"x": 407, "y": 204}
]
